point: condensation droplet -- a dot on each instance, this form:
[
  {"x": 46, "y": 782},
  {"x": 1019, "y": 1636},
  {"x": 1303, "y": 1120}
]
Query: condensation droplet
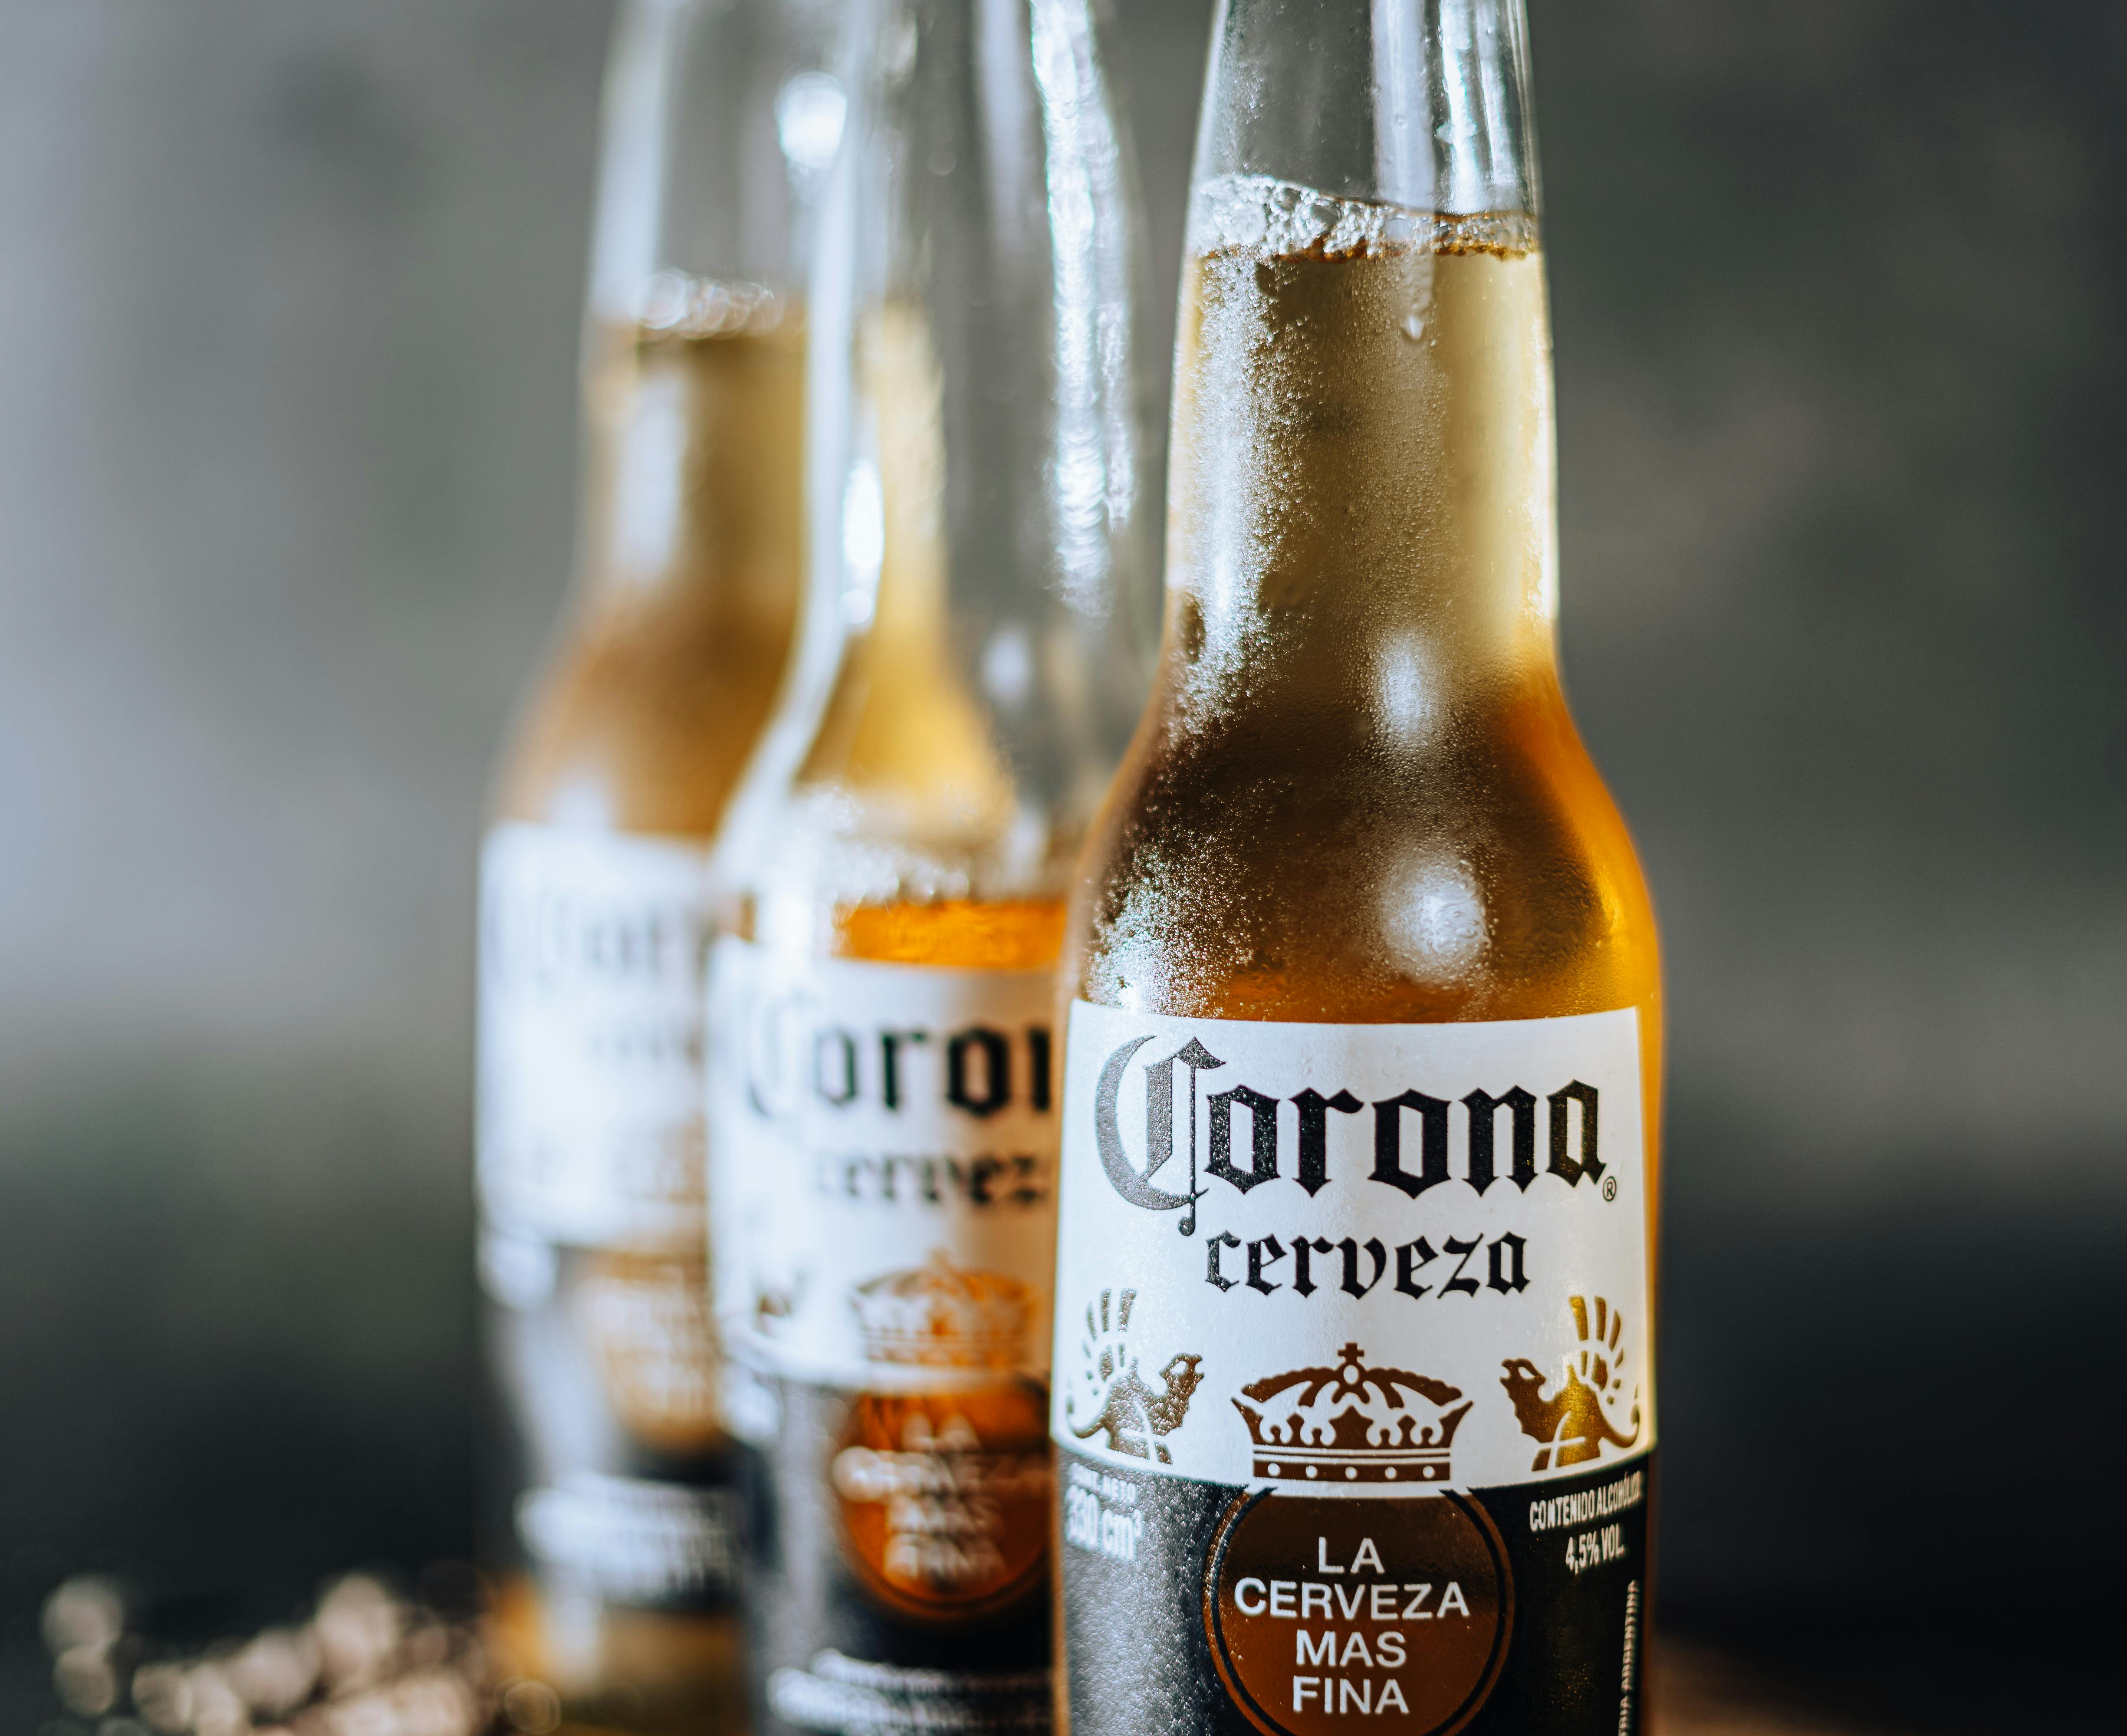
[{"x": 1418, "y": 310}]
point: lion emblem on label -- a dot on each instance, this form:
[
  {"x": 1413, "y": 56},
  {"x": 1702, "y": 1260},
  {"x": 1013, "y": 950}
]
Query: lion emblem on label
[
  {"x": 1111, "y": 1393},
  {"x": 1574, "y": 1424}
]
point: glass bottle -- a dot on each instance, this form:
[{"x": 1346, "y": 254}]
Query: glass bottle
[
  {"x": 1355, "y": 1276},
  {"x": 609, "y": 1516},
  {"x": 882, "y": 1133}
]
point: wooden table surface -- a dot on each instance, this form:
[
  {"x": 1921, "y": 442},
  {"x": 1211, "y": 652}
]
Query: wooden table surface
[{"x": 1699, "y": 1693}]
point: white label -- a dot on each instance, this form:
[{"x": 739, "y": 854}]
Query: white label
[
  {"x": 634, "y": 1541},
  {"x": 592, "y": 954},
  {"x": 1354, "y": 1258},
  {"x": 883, "y": 1168}
]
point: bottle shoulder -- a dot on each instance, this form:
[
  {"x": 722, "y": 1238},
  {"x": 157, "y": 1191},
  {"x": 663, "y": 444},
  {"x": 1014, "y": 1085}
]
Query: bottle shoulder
[
  {"x": 1307, "y": 867},
  {"x": 642, "y": 719}
]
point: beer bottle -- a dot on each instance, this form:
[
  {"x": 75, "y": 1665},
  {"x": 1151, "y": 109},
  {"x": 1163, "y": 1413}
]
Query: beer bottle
[
  {"x": 1353, "y": 1392},
  {"x": 883, "y": 1128},
  {"x": 610, "y": 1515}
]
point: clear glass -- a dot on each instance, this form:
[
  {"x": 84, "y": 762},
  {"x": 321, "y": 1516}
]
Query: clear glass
[
  {"x": 1356, "y": 796},
  {"x": 1420, "y": 103},
  {"x": 1358, "y": 687},
  {"x": 983, "y": 577},
  {"x": 979, "y": 627},
  {"x": 721, "y": 120}
]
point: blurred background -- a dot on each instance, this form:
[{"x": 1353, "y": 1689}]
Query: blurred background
[{"x": 288, "y": 303}]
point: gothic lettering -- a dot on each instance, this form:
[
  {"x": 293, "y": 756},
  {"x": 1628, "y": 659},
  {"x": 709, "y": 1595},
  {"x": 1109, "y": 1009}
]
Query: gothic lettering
[
  {"x": 1484, "y": 1108},
  {"x": 1350, "y": 1248},
  {"x": 1563, "y": 1162},
  {"x": 835, "y": 1066},
  {"x": 1172, "y": 1118},
  {"x": 1264, "y": 1252},
  {"x": 1039, "y": 1081},
  {"x": 1388, "y": 1142},
  {"x": 1107, "y": 1132},
  {"x": 1314, "y": 1134},
  {"x": 1506, "y": 1254},
  {"x": 995, "y": 1048},
  {"x": 889, "y": 1062},
  {"x": 1263, "y": 1137},
  {"x": 1457, "y": 1283},
  {"x": 1303, "y": 1274}
]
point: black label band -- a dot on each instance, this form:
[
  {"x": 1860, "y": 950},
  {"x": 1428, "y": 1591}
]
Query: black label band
[
  {"x": 899, "y": 1563},
  {"x": 1198, "y": 1606}
]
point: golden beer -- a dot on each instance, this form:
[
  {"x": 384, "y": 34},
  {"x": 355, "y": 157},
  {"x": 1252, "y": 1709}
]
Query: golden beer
[
  {"x": 612, "y": 1513},
  {"x": 1355, "y": 1410}
]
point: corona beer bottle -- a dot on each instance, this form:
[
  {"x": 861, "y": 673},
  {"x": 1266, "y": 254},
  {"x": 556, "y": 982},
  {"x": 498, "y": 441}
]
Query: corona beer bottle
[
  {"x": 613, "y": 1521},
  {"x": 1352, "y": 1390},
  {"x": 883, "y": 1129}
]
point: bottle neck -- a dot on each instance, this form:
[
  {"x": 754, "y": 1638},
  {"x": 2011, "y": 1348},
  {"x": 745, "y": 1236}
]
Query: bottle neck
[
  {"x": 977, "y": 547},
  {"x": 1361, "y": 496},
  {"x": 1362, "y": 483},
  {"x": 693, "y": 456},
  {"x": 1420, "y": 103},
  {"x": 720, "y": 123}
]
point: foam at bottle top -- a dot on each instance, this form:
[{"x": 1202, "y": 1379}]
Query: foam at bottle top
[
  {"x": 1362, "y": 445},
  {"x": 1261, "y": 213}
]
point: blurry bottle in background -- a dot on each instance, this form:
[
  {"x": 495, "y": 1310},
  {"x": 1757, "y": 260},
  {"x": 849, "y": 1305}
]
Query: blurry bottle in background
[
  {"x": 1359, "y": 1104},
  {"x": 882, "y": 1127},
  {"x": 609, "y": 1516}
]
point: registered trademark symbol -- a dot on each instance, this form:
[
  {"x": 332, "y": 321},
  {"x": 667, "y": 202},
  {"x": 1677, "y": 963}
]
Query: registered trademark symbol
[{"x": 1609, "y": 1187}]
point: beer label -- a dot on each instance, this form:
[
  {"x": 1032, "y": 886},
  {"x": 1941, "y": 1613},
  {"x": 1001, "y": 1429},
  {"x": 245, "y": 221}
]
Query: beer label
[
  {"x": 882, "y": 1179},
  {"x": 592, "y": 951},
  {"x": 902, "y": 1586},
  {"x": 621, "y": 1481},
  {"x": 645, "y": 1322},
  {"x": 627, "y": 1540},
  {"x": 885, "y": 1168},
  {"x": 1351, "y": 1374}
]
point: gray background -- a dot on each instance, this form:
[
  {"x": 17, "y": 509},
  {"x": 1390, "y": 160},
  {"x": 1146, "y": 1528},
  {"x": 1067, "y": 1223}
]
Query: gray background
[{"x": 288, "y": 293}]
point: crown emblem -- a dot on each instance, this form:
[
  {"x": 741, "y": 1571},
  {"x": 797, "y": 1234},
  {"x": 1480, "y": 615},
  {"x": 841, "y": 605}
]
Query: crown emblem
[
  {"x": 1352, "y": 1423},
  {"x": 941, "y": 1315}
]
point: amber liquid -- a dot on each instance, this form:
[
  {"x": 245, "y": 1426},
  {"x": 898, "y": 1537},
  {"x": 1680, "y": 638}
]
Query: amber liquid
[
  {"x": 901, "y": 767},
  {"x": 906, "y": 838},
  {"x": 956, "y": 933},
  {"x": 1358, "y": 795},
  {"x": 880, "y": 757},
  {"x": 655, "y": 697},
  {"x": 693, "y": 555},
  {"x": 1012, "y": 1417}
]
